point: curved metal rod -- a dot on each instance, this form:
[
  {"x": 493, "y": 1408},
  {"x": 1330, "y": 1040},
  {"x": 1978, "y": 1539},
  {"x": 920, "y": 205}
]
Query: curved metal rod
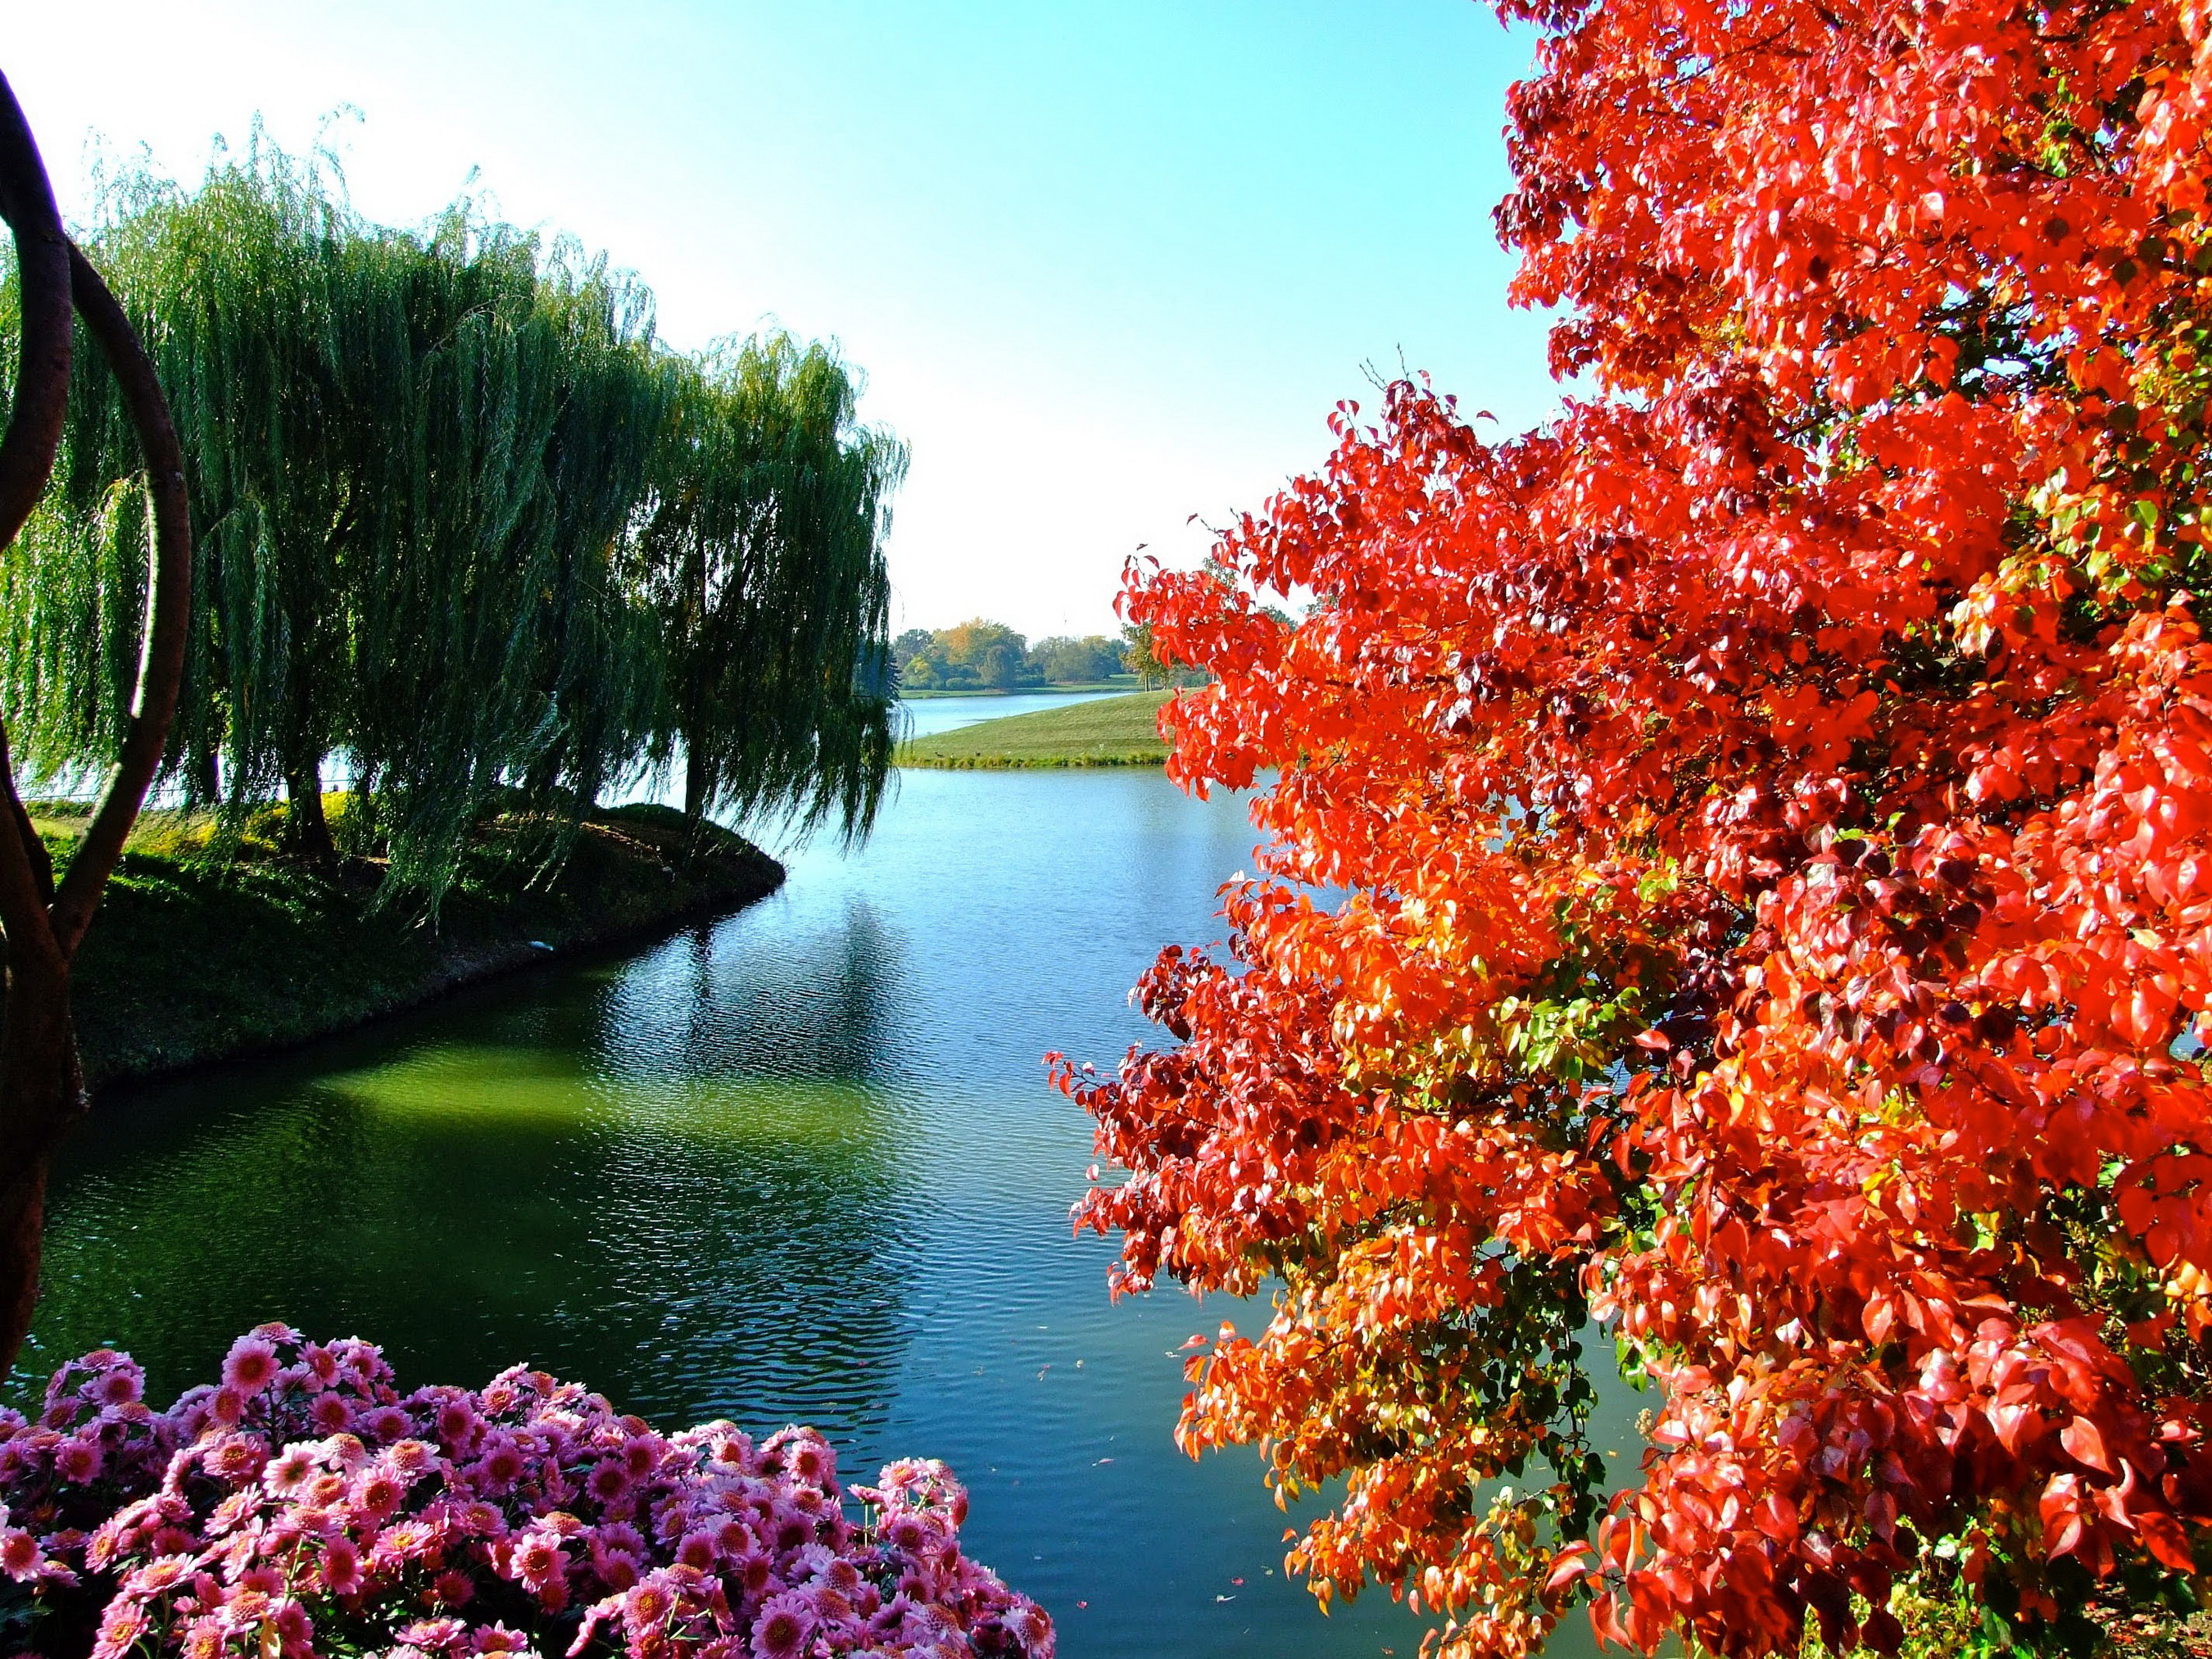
[
  {"x": 168, "y": 608},
  {"x": 34, "y": 425},
  {"x": 26, "y": 462}
]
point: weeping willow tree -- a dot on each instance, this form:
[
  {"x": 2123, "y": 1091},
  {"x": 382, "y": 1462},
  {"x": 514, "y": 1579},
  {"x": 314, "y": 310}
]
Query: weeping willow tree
[
  {"x": 763, "y": 561},
  {"x": 244, "y": 274},
  {"x": 465, "y": 524},
  {"x": 497, "y": 649}
]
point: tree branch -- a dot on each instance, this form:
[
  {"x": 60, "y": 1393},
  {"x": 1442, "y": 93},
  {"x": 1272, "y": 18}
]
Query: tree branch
[
  {"x": 34, "y": 427},
  {"x": 168, "y": 608}
]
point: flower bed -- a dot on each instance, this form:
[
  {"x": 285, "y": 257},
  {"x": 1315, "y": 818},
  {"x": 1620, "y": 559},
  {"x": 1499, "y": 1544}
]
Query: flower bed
[{"x": 303, "y": 1506}]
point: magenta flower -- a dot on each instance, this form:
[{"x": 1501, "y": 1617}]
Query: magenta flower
[
  {"x": 783, "y": 1626},
  {"x": 19, "y": 1554},
  {"x": 250, "y": 1363},
  {"x": 78, "y": 1459},
  {"x": 245, "y": 1516},
  {"x": 342, "y": 1574}
]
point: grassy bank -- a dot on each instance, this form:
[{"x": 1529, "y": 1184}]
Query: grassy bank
[
  {"x": 192, "y": 960},
  {"x": 918, "y": 694},
  {"x": 1111, "y": 731}
]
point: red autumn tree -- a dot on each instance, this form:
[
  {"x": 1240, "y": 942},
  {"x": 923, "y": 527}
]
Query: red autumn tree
[{"x": 1772, "y": 803}]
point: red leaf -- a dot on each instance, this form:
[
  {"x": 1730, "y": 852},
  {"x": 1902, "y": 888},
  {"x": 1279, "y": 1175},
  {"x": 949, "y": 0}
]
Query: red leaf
[{"x": 2085, "y": 1443}]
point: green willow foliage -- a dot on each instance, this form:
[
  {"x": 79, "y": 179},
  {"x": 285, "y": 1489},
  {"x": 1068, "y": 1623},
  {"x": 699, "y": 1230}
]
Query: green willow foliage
[
  {"x": 761, "y": 562},
  {"x": 463, "y": 521}
]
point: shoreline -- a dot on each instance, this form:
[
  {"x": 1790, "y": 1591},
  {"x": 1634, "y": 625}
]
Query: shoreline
[
  {"x": 190, "y": 967},
  {"x": 1015, "y": 763},
  {"x": 1103, "y": 732}
]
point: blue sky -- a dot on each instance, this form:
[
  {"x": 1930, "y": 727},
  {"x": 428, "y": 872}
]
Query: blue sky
[{"x": 1106, "y": 266}]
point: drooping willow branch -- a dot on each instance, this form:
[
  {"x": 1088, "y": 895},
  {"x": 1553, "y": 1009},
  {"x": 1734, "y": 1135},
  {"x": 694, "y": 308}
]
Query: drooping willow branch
[{"x": 467, "y": 527}]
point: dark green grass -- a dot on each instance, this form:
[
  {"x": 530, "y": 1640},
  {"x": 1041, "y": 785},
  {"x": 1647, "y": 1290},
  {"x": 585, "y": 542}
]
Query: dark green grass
[
  {"x": 1111, "y": 731},
  {"x": 191, "y": 959}
]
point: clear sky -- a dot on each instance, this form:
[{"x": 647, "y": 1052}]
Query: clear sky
[{"x": 1106, "y": 263}]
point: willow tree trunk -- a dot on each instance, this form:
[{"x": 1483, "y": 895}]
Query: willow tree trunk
[
  {"x": 42, "y": 922},
  {"x": 695, "y": 783},
  {"x": 306, "y": 826}
]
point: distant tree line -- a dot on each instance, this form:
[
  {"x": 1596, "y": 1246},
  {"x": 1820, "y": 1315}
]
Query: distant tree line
[
  {"x": 988, "y": 656},
  {"x": 463, "y": 521}
]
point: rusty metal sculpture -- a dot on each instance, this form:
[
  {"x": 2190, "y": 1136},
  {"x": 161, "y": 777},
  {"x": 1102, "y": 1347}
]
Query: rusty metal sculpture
[{"x": 43, "y": 920}]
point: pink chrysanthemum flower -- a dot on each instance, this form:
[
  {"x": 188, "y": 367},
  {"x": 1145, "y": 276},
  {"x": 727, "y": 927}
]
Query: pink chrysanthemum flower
[
  {"x": 235, "y": 1458},
  {"x": 480, "y": 1519},
  {"x": 649, "y": 1606},
  {"x": 435, "y": 1634},
  {"x": 78, "y": 1461},
  {"x": 501, "y": 1464},
  {"x": 327, "y": 1519},
  {"x": 121, "y": 1626},
  {"x": 294, "y": 1630},
  {"x": 539, "y": 1560},
  {"x": 342, "y": 1574},
  {"x": 698, "y": 1550},
  {"x": 250, "y": 1364},
  {"x": 642, "y": 1454},
  {"x": 459, "y": 1424},
  {"x": 888, "y": 1621},
  {"x": 609, "y": 1482},
  {"x": 616, "y": 1569},
  {"x": 783, "y": 1626},
  {"x": 789, "y": 1528},
  {"x": 389, "y": 1423},
  {"x": 403, "y": 1544},
  {"x": 753, "y": 1573},
  {"x": 1026, "y": 1621},
  {"x": 831, "y": 1608},
  {"x": 810, "y": 1460},
  {"x": 19, "y": 1554},
  {"x": 159, "y": 1575},
  {"x": 377, "y": 1494},
  {"x": 735, "y": 1450}
]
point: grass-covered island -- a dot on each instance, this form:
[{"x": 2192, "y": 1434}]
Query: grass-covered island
[
  {"x": 200, "y": 958},
  {"x": 1111, "y": 731}
]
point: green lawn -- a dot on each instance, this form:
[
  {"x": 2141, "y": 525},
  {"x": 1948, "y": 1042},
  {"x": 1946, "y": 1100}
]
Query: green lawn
[
  {"x": 1111, "y": 731},
  {"x": 1050, "y": 688}
]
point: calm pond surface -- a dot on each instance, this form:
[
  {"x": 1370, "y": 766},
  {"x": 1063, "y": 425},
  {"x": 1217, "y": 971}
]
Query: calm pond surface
[{"x": 797, "y": 1165}]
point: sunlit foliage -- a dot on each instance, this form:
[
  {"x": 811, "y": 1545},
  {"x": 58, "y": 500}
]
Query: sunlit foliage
[{"x": 1775, "y": 802}]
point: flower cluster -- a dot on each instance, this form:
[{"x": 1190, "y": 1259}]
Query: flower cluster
[{"x": 304, "y": 1506}]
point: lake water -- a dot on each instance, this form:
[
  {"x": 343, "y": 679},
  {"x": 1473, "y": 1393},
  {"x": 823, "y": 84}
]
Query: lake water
[{"x": 796, "y": 1164}]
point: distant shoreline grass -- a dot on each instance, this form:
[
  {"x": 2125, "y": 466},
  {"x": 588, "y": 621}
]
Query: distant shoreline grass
[
  {"x": 193, "y": 960},
  {"x": 1108, "y": 732},
  {"x": 1126, "y": 683}
]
